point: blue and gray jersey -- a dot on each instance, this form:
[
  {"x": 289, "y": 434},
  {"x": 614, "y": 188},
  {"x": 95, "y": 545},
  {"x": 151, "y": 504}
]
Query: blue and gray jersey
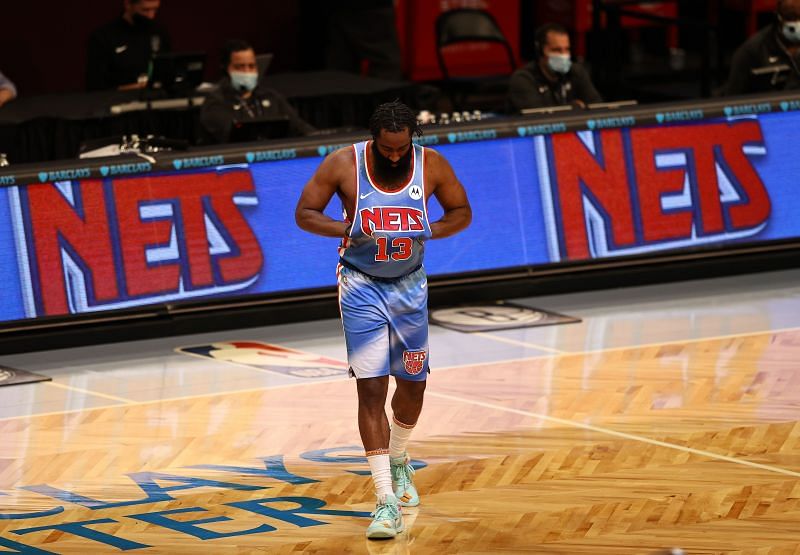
[{"x": 387, "y": 238}]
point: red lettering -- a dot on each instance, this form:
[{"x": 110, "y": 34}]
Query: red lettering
[
  {"x": 757, "y": 209},
  {"x": 706, "y": 146},
  {"x": 577, "y": 169},
  {"x": 653, "y": 183},
  {"x": 186, "y": 194},
  {"x": 178, "y": 207},
  {"x": 415, "y": 217},
  {"x": 136, "y": 235},
  {"x": 402, "y": 248},
  {"x": 54, "y": 220},
  {"x": 371, "y": 220},
  {"x": 580, "y": 175},
  {"x": 391, "y": 218},
  {"x": 249, "y": 260},
  {"x": 195, "y": 235}
]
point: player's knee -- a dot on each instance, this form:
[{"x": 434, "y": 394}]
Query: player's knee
[
  {"x": 412, "y": 389},
  {"x": 418, "y": 391},
  {"x": 372, "y": 392}
]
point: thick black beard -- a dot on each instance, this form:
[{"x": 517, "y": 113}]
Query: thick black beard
[{"x": 385, "y": 171}]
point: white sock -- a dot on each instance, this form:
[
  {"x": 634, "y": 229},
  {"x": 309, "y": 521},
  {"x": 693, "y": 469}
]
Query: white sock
[
  {"x": 381, "y": 474},
  {"x": 398, "y": 438}
]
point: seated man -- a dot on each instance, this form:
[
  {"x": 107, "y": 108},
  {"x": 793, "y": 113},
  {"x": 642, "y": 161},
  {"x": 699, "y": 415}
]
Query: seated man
[
  {"x": 7, "y": 89},
  {"x": 768, "y": 61},
  {"x": 119, "y": 53},
  {"x": 240, "y": 97},
  {"x": 552, "y": 79}
]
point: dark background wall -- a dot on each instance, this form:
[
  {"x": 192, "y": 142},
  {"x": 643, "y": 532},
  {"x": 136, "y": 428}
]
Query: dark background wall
[{"x": 43, "y": 44}]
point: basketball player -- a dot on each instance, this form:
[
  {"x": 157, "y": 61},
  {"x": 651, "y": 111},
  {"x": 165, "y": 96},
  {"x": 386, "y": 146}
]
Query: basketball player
[{"x": 384, "y": 185}]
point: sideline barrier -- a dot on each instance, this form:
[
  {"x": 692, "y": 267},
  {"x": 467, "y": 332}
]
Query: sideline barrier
[{"x": 121, "y": 238}]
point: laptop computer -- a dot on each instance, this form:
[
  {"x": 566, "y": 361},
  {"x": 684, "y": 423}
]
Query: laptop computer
[{"x": 177, "y": 73}]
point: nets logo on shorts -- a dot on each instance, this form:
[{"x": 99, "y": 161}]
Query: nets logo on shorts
[{"x": 414, "y": 361}]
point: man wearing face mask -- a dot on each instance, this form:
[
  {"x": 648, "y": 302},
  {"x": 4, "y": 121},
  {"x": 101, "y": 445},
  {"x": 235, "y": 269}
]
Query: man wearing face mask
[
  {"x": 768, "y": 61},
  {"x": 119, "y": 53},
  {"x": 552, "y": 79},
  {"x": 240, "y": 96}
]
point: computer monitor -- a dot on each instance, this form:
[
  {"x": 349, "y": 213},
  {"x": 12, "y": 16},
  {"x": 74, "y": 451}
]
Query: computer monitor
[
  {"x": 263, "y": 62},
  {"x": 177, "y": 73},
  {"x": 259, "y": 129}
]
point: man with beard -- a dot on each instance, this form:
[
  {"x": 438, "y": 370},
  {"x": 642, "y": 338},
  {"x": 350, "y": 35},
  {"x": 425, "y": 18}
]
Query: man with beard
[
  {"x": 384, "y": 185},
  {"x": 120, "y": 52}
]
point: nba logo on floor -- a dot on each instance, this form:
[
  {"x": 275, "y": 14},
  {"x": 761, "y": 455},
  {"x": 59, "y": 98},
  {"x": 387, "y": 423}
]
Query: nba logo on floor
[
  {"x": 414, "y": 361},
  {"x": 265, "y": 356}
]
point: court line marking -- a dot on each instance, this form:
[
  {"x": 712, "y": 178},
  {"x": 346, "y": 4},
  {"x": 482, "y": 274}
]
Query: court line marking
[
  {"x": 249, "y": 390},
  {"x": 622, "y": 435},
  {"x": 454, "y": 367},
  {"x": 90, "y": 392},
  {"x": 518, "y": 343},
  {"x": 156, "y": 401},
  {"x": 642, "y": 346}
]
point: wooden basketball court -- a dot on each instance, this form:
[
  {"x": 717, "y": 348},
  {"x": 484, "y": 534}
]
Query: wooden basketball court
[{"x": 668, "y": 418}]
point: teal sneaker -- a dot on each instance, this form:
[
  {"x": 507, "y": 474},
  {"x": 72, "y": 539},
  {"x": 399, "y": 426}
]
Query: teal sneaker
[
  {"x": 387, "y": 519},
  {"x": 404, "y": 488}
]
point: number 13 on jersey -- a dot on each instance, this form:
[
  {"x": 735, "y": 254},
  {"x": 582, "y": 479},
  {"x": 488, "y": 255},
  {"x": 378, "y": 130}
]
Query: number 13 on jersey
[{"x": 401, "y": 249}]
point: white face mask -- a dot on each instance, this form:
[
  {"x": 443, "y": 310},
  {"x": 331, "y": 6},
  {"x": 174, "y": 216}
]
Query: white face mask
[
  {"x": 244, "y": 81},
  {"x": 791, "y": 31},
  {"x": 560, "y": 63}
]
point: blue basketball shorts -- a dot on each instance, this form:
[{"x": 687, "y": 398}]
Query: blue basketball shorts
[{"x": 385, "y": 324}]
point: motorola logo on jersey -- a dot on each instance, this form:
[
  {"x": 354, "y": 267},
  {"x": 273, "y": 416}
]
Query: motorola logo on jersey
[
  {"x": 415, "y": 192},
  {"x": 100, "y": 244},
  {"x": 630, "y": 191},
  {"x": 392, "y": 219}
]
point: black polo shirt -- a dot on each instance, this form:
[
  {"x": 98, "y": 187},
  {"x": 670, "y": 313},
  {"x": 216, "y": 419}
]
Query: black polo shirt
[
  {"x": 119, "y": 52},
  {"x": 530, "y": 88},
  {"x": 224, "y": 107},
  {"x": 766, "y": 53}
]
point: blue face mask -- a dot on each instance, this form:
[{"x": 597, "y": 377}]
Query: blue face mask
[
  {"x": 791, "y": 31},
  {"x": 243, "y": 81},
  {"x": 560, "y": 63}
]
